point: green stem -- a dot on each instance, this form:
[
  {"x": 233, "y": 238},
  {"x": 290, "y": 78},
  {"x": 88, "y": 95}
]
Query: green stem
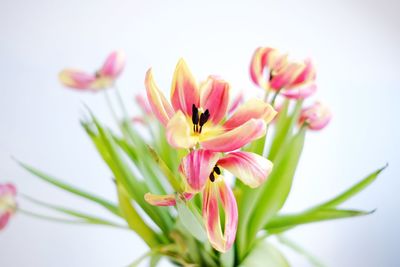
[
  {"x": 121, "y": 102},
  {"x": 110, "y": 106}
]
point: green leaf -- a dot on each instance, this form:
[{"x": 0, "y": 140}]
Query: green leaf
[
  {"x": 265, "y": 255},
  {"x": 124, "y": 176},
  {"x": 190, "y": 221},
  {"x": 284, "y": 128},
  {"x": 172, "y": 179},
  {"x": 77, "y": 214},
  {"x": 297, "y": 248},
  {"x": 134, "y": 220},
  {"x": 271, "y": 196},
  {"x": 281, "y": 223},
  {"x": 72, "y": 189},
  {"x": 352, "y": 191},
  {"x": 227, "y": 259}
]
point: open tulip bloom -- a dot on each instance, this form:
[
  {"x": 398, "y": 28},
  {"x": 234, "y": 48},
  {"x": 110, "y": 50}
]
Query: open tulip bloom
[{"x": 202, "y": 178}]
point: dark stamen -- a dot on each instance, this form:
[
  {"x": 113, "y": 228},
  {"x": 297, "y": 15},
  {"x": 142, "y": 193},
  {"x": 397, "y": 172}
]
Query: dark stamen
[
  {"x": 212, "y": 178},
  {"x": 217, "y": 170},
  {"x": 271, "y": 75},
  {"x": 204, "y": 117},
  {"x": 195, "y": 115}
]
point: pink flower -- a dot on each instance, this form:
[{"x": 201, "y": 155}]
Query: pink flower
[
  {"x": 197, "y": 111},
  {"x": 203, "y": 172},
  {"x": 272, "y": 71},
  {"x": 8, "y": 203},
  {"x": 101, "y": 79},
  {"x": 315, "y": 117}
]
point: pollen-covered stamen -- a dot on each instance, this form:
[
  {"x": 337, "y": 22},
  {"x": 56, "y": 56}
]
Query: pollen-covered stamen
[{"x": 216, "y": 171}]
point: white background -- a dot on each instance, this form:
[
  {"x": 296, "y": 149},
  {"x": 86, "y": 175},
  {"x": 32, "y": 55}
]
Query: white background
[{"x": 354, "y": 45}]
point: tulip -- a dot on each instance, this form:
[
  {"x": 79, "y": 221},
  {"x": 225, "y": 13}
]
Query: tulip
[
  {"x": 196, "y": 113},
  {"x": 272, "y": 71},
  {"x": 101, "y": 79},
  {"x": 203, "y": 172},
  {"x": 8, "y": 203},
  {"x": 315, "y": 117},
  {"x": 266, "y": 62}
]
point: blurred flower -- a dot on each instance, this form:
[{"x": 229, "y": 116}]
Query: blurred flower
[
  {"x": 315, "y": 117},
  {"x": 203, "y": 172},
  {"x": 101, "y": 79},
  {"x": 8, "y": 203},
  {"x": 197, "y": 111},
  {"x": 272, "y": 71},
  {"x": 266, "y": 62}
]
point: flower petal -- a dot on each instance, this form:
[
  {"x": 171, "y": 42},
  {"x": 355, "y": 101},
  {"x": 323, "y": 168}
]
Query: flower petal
[
  {"x": 215, "y": 97},
  {"x": 184, "y": 90},
  {"x": 179, "y": 132},
  {"x": 196, "y": 167},
  {"x": 252, "y": 109},
  {"x": 300, "y": 92},
  {"x": 306, "y": 75},
  {"x": 286, "y": 76},
  {"x": 250, "y": 168},
  {"x": 316, "y": 116},
  {"x": 237, "y": 137},
  {"x": 4, "y": 218},
  {"x": 77, "y": 79},
  {"x": 158, "y": 103},
  {"x": 114, "y": 65},
  {"x": 264, "y": 61},
  {"x": 213, "y": 192},
  {"x": 238, "y": 100},
  {"x": 164, "y": 200}
]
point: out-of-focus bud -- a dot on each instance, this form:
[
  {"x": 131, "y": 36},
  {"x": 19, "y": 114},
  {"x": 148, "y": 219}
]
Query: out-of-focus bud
[
  {"x": 101, "y": 79},
  {"x": 315, "y": 117},
  {"x": 265, "y": 63},
  {"x": 8, "y": 203}
]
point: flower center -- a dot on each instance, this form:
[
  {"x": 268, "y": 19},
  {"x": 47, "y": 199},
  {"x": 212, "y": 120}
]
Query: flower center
[
  {"x": 199, "y": 118},
  {"x": 217, "y": 171}
]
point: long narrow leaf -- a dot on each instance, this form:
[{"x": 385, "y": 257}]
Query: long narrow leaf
[
  {"x": 134, "y": 220},
  {"x": 72, "y": 189},
  {"x": 280, "y": 222},
  {"x": 77, "y": 214},
  {"x": 352, "y": 191}
]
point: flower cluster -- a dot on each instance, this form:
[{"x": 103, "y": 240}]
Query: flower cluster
[
  {"x": 273, "y": 71},
  {"x": 185, "y": 152},
  {"x": 196, "y": 120}
]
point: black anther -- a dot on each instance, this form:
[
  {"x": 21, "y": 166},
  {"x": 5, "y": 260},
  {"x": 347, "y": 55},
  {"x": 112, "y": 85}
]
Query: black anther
[
  {"x": 212, "y": 178},
  {"x": 217, "y": 170}
]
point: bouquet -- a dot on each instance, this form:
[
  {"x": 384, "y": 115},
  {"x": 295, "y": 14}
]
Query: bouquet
[{"x": 201, "y": 178}]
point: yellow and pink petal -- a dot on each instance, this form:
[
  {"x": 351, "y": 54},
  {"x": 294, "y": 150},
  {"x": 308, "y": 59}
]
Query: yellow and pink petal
[
  {"x": 252, "y": 109},
  {"x": 214, "y": 96},
  {"x": 77, "y": 79},
  {"x": 165, "y": 200},
  {"x": 158, "y": 103},
  {"x": 235, "y": 138},
  {"x": 252, "y": 169},
  {"x": 8, "y": 203},
  {"x": 197, "y": 167},
  {"x": 114, "y": 65},
  {"x": 301, "y": 92},
  {"x": 184, "y": 89},
  {"x": 179, "y": 132},
  {"x": 219, "y": 192},
  {"x": 315, "y": 117}
]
